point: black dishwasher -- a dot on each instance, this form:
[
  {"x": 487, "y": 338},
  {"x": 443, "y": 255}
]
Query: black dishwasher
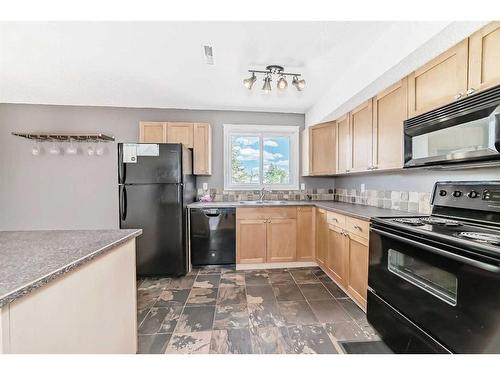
[{"x": 213, "y": 236}]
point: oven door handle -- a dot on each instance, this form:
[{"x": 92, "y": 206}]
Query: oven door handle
[{"x": 447, "y": 254}]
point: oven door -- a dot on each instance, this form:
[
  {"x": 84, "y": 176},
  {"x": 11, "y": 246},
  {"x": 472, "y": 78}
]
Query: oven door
[{"x": 452, "y": 298}]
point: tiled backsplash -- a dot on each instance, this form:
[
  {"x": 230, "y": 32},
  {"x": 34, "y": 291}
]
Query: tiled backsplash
[{"x": 411, "y": 201}]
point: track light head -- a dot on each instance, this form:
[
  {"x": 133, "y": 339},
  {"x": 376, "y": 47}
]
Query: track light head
[
  {"x": 282, "y": 83},
  {"x": 267, "y": 84},
  {"x": 248, "y": 82},
  {"x": 299, "y": 84}
]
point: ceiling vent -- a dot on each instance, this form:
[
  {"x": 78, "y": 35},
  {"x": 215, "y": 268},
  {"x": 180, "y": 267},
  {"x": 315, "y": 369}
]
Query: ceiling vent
[{"x": 208, "y": 51}]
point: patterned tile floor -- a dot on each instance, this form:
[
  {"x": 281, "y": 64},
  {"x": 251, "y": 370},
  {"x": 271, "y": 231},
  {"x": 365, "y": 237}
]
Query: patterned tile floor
[{"x": 278, "y": 311}]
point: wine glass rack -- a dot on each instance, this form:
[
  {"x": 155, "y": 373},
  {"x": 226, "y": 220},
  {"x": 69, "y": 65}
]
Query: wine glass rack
[{"x": 66, "y": 137}]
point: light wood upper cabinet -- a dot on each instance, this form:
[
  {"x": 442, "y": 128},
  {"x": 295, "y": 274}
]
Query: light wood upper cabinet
[
  {"x": 337, "y": 258},
  {"x": 389, "y": 112},
  {"x": 251, "y": 241},
  {"x": 202, "y": 149},
  {"x": 322, "y": 153},
  {"x": 321, "y": 236},
  {"x": 180, "y": 132},
  {"x": 484, "y": 57},
  {"x": 305, "y": 233},
  {"x": 152, "y": 132},
  {"x": 361, "y": 137},
  {"x": 440, "y": 81},
  {"x": 357, "y": 268},
  {"x": 343, "y": 144},
  {"x": 281, "y": 240}
]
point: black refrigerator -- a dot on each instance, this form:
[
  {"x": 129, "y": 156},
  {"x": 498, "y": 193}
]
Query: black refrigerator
[{"x": 155, "y": 183}]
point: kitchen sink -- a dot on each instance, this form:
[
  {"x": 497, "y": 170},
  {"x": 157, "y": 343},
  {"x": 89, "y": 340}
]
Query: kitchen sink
[{"x": 263, "y": 202}]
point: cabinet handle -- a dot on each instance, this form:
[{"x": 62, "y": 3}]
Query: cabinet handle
[
  {"x": 458, "y": 96},
  {"x": 358, "y": 228},
  {"x": 470, "y": 91},
  {"x": 374, "y": 167}
]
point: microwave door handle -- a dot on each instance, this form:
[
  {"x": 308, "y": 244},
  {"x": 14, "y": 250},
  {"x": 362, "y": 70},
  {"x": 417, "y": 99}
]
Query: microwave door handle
[
  {"x": 496, "y": 127},
  {"x": 435, "y": 250}
]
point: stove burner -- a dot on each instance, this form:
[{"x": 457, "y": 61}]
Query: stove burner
[
  {"x": 440, "y": 221},
  {"x": 419, "y": 221},
  {"x": 410, "y": 221},
  {"x": 481, "y": 237}
]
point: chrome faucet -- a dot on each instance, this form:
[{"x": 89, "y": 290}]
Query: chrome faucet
[{"x": 262, "y": 194}]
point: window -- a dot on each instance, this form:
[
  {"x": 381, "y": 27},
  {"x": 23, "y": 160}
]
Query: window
[{"x": 258, "y": 156}]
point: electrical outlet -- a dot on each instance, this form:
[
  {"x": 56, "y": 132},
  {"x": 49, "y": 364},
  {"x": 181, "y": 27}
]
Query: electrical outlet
[
  {"x": 302, "y": 186},
  {"x": 205, "y": 186},
  {"x": 362, "y": 188}
]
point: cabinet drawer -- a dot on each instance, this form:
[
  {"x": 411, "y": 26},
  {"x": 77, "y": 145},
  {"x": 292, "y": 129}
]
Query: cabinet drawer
[
  {"x": 336, "y": 219},
  {"x": 357, "y": 227},
  {"x": 267, "y": 213}
]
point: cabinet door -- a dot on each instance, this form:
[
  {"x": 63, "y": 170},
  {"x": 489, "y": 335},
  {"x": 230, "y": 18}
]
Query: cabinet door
[
  {"x": 202, "y": 149},
  {"x": 251, "y": 241},
  {"x": 322, "y": 155},
  {"x": 180, "y": 132},
  {"x": 389, "y": 112},
  {"x": 305, "y": 234},
  {"x": 484, "y": 57},
  {"x": 361, "y": 136},
  {"x": 343, "y": 144},
  {"x": 321, "y": 236},
  {"x": 281, "y": 240},
  {"x": 440, "y": 81},
  {"x": 152, "y": 132},
  {"x": 337, "y": 258},
  {"x": 358, "y": 268}
]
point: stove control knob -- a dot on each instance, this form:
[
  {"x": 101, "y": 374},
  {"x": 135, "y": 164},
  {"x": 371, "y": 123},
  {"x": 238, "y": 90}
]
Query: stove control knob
[
  {"x": 457, "y": 193},
  {"x": 442, "y": 193},
  {"x": 473, "y": 194}
]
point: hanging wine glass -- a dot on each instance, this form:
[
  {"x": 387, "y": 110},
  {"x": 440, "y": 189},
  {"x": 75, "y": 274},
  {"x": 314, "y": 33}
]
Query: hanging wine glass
[
  {"x": 71, "y": 149},
  {"x": 37, "y": 149},
  {"x": 54, "y": 148},
  {"x": 99, "y": 149}
]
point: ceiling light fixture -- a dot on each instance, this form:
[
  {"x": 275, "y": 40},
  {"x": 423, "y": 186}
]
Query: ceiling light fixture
[
  {"x": 248, "y": 82},
  {"x": 282, "y": 83}
]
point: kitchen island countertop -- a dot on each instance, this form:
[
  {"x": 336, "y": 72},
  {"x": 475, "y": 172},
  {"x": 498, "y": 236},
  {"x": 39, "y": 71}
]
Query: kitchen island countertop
[{"x": 31, "y": 259}]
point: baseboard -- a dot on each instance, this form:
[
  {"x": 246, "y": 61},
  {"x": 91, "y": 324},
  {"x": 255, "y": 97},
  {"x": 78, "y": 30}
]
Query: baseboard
[{"x": 261, "y": 266}]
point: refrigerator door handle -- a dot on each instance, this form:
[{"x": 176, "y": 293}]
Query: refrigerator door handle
[{"x": 123, "y": 203}]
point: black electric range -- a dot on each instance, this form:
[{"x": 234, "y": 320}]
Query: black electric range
[{"x": 434, "y": 281}]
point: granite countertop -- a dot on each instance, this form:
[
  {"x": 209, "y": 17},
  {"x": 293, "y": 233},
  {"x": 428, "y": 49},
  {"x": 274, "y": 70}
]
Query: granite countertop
[
  {"x": 355, "y": 210},
  {"x": 31, "y": 259}
]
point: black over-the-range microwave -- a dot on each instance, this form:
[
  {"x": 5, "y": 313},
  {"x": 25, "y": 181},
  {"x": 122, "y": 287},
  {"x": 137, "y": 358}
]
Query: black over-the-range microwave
[{"x": 465, "y": 131}]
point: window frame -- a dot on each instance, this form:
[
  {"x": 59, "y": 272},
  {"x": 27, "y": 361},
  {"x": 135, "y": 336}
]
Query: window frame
[{"x": 262, "y": 131}]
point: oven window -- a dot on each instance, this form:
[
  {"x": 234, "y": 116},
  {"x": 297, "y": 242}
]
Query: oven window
[
  {"x": 472, "y": 136},
  {"x": 433, "y": 280}
]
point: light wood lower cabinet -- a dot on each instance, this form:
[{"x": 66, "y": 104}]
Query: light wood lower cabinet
[
  {"x": 266, "y": 235},
  {"x": 251, "y": 241},
  {"x": 337, "y": 259},
  {"x": 321, "y": 237},
  {"x": 281, "y": 240},
  {"x": 306, "y": 223},
  {"x": 357, "y": 284},
  {"x": 346, "y": 253}
]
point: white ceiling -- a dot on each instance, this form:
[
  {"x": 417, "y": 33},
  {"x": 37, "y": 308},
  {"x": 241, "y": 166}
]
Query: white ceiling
[{"x": 161, "y": 64}]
